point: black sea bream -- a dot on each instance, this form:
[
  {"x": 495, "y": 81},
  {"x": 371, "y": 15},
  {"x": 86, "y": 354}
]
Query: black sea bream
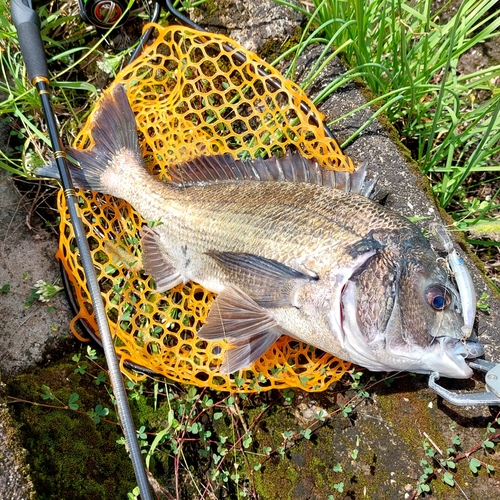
[{"x": 286, "y": 252}]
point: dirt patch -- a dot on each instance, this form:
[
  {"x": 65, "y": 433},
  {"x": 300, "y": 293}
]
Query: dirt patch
[{"x": 29, "y": 333}]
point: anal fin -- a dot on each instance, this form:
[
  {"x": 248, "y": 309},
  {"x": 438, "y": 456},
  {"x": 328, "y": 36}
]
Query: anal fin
[
  {"x": 155, "y": 262},
  {"x": 249, "y": 328}
]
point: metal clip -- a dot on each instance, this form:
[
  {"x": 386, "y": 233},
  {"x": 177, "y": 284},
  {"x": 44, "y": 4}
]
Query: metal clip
[{"x": 489, "y": 398}]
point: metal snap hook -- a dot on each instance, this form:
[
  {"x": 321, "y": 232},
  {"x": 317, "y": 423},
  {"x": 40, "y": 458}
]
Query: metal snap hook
[{"x": 489, "y": 398}]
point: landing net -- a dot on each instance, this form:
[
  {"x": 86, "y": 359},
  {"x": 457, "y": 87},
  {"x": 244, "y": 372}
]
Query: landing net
[{"x": 193, "y": 93}]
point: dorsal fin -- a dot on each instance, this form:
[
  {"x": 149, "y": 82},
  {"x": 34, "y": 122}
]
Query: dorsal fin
[{"x": 292, "y": 168}]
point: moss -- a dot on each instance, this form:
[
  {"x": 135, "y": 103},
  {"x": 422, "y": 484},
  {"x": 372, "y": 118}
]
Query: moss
[
  {"x": 417, "y": 415},
  {"x": 306, "y": 468},
  {"x": 70, "y": 456},
  {"x": 276, "y": 479},
  {"x": 13, "y": 456},
  {"x": 383, "y": 460},
  {"x": 207, "y": 8},
  {"x": 274, "y": 47}
]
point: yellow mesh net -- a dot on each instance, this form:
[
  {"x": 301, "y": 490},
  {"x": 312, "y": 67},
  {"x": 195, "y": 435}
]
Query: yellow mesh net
[{"x": 194, "y": 93}]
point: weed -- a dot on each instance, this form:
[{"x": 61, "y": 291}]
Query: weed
[
  {"x": 482, "y": 303},
  {"x": 445, "y": 464},
  {"x": 45, "y": 291},
  {"x": 206, "y": 444},
  {"x": 412, "y": 67},
  {"x": 181, "y": 428},
  {"x": 20, "y": 107}
]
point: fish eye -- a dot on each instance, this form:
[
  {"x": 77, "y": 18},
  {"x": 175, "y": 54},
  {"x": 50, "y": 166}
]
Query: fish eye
[{"x": 438, "y": 297}]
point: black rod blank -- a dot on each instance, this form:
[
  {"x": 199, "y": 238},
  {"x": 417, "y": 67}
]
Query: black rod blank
[{"x": 28, "y": 28}]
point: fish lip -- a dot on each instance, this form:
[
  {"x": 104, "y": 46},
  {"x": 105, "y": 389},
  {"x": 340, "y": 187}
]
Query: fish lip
[
  {"x": 449, "y": 355},
  {"x": 446, "y": 354}
]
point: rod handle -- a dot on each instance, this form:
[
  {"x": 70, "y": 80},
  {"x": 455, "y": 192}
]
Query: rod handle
[{"x": 28, "y": 32}]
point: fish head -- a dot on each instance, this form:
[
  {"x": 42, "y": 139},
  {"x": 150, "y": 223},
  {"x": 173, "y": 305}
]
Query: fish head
[{"x": 403, "y": 312}]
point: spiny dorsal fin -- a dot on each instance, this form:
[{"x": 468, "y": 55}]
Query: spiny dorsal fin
[{"x": 292, "y": 168}]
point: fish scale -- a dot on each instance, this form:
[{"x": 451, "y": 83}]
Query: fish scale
[{"x": 242, "y": 212}]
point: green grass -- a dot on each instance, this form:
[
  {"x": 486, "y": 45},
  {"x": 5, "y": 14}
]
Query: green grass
[
  {"x": 76, "y": 58},
  {"x": 409, "y": 58},
  {"x": 404, "y": 54},
  {"x": 28, "y": 145},
  {"x": 410, "y": 65}
]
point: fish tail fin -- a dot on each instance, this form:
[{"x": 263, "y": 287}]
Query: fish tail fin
[
  {"x": 51, "y": 171},
  {"x": 114, "y": 133}
]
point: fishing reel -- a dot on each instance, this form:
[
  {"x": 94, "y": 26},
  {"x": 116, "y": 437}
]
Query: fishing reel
[
  {"x": 104, "y": 13},
  {"x": 107, "y": 15}
]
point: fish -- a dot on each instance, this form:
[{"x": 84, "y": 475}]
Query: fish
[{"x": 289, "y": 248}]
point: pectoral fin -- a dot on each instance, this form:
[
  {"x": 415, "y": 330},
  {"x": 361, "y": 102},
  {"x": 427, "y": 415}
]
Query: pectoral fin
[
  {"x": 268, "y": 282},
  {"x": 156, "y": 263},
  {"x": 249, "y": 329}
]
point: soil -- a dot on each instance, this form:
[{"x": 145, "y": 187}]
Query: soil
[{"x": 32, "y": 332}]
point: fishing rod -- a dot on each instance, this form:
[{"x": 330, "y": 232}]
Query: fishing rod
[
  {"x": 27, "y": 25},
  {"x": 107, "y": 15}
]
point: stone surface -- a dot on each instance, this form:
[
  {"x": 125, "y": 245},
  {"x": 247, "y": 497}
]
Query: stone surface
[
  {"x": 26, "y": 256},
  {"x": 15, "y": 483},
  {"x": 28, "y": 335},
  {"x": 251, "y": 24}
]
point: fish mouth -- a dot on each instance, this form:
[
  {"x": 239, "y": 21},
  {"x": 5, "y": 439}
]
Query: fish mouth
[
  {"x": 469, "y": 349},
  {"x": 449, "y": 355},
  {"x": 446, "y": 355}
]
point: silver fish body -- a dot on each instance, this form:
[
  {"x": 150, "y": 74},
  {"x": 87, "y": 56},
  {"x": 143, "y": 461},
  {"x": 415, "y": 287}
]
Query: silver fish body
[{"x": 287, "y": 253}]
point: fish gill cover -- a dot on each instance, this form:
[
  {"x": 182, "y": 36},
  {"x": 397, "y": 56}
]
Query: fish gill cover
[{"x": 193, "y": 94}]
